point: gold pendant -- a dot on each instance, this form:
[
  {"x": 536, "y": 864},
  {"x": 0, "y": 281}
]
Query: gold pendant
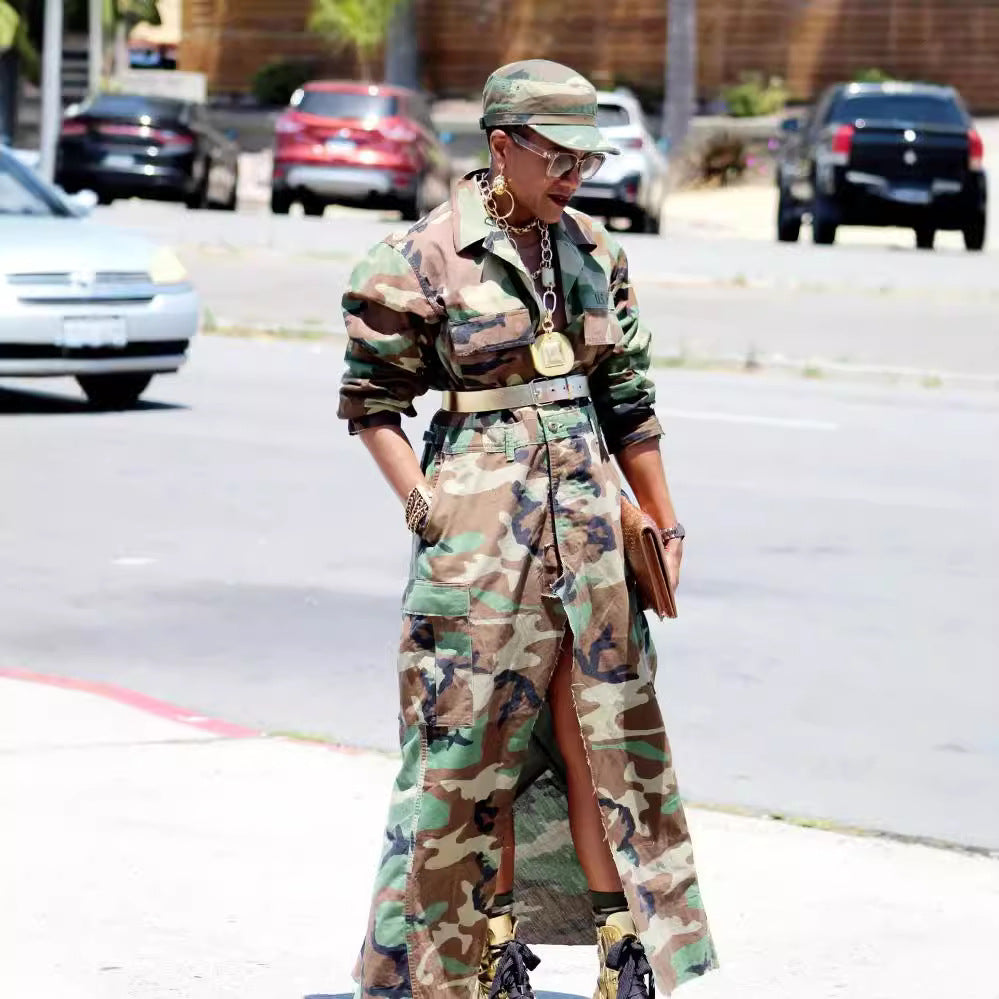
[{"x": 552, "y": 354}]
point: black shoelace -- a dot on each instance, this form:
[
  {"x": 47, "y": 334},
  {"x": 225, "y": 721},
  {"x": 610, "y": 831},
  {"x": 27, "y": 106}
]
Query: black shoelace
[
  {"x": 511, "y": 972},
  {"x": 634, "y": 973}
]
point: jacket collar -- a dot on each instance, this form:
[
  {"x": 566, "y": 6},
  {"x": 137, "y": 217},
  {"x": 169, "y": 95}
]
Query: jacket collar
[{"x": 472, "y": 225}]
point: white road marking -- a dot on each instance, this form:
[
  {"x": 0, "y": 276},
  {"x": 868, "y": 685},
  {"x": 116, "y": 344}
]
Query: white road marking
[
  {"x": 133, "y": 560},
  {"x": 762, "y": 421}
]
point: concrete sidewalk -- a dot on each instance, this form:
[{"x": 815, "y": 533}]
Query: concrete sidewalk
[{"x": 149, "y": 857}]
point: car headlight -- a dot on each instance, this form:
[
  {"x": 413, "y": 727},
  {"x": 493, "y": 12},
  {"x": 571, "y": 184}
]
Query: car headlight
[{"x": 166, "y": 268}]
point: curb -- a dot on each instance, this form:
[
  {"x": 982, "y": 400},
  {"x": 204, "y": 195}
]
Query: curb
[
  {"x": 168, "y": 711},
  {"x": 216, "y": 726}
]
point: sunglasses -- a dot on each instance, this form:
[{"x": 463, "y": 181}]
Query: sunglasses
[{"x": 561, "y": 164}]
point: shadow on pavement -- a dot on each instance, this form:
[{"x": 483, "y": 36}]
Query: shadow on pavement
[{"x": 30, "y": 402}]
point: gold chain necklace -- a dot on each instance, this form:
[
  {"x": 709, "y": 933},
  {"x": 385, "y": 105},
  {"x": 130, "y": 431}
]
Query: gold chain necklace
[{"x": 551, "y": 351}]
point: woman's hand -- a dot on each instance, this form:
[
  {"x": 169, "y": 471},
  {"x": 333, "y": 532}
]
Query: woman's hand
[{"x": 674, "y": 556}]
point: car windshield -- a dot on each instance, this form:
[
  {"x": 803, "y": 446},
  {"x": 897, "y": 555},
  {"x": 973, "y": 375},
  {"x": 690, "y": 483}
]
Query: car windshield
[
  {"x": 338, "y": 104},
  {"x": 133, "y": 106},
  {"x": 914, "y": 108},
  {"x": 21, "y": 193},
  {"x": 612, "y": 116}
]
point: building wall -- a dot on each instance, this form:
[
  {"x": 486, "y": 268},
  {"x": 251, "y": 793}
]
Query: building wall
[
  {"x": 229, "y": 40},
  {"x": 808, "y": 42}
]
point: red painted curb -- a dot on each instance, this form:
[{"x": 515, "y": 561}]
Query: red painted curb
[{"x": 133, "y": 699}]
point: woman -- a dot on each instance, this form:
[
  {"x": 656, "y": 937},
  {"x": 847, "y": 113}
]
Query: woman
[{"x": 526, "y": 667}]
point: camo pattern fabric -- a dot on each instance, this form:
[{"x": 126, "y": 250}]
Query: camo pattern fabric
[
  {"x": 551, "y": 98},
  {"x": 521, "y": 550}
]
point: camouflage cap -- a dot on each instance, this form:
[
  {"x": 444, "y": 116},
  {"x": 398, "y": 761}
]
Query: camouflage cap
[{"x": 548, "y": 97}]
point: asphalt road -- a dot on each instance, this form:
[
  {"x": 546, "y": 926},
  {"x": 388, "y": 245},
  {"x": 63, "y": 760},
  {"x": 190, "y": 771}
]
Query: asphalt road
[
  {"x": 707, "y": 300},
  {"x": 228, "y": 547}
]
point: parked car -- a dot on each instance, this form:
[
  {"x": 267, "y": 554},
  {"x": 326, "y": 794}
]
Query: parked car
[
  {"x": 632, "y": 185},
  {"x": 126, "y": 145},
  {"x": 355, "y": 144},
  {"x": 76, "y": 298},
  {"x": 883, "y": 154}
]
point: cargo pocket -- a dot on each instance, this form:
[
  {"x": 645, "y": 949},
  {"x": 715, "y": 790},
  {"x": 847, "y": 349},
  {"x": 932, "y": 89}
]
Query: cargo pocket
[
  {"x": 484, "y": 334},
  {"x": 435, "y": 663}
]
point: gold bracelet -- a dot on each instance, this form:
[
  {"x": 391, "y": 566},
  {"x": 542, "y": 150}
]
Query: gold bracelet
[{"x": 417, "y": 509}]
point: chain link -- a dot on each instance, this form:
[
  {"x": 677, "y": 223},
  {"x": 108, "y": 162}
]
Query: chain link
[{"x": 549, "y": 297}]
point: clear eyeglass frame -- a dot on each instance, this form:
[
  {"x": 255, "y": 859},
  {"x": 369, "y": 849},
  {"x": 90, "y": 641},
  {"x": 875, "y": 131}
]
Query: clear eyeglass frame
[{"x": 561, "y": 164}]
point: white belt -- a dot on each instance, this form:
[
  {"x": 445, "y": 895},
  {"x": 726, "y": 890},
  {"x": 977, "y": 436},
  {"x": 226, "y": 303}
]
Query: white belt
[{"x": 537, "y": 393}]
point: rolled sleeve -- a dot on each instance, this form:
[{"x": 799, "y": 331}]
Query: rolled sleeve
[
  {"x": 623, "y": 394},
  {"x": 391, "y": 327}
]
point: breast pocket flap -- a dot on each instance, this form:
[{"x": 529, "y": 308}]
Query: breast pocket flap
[{"x": 490, "y": 333}]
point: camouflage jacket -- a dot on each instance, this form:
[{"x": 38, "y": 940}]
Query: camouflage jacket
[{"x": 450, "y": 305}]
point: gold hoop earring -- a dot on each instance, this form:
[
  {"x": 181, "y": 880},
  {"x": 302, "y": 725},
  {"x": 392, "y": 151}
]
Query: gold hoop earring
[{"x": 499, "y": 188}]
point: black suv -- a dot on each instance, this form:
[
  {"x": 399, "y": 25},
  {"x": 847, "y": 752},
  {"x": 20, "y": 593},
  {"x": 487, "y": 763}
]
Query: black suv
[{"x": 883, "y": 154}]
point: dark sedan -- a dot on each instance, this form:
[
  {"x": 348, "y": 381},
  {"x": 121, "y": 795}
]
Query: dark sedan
[{"x": 124, "y": 145}]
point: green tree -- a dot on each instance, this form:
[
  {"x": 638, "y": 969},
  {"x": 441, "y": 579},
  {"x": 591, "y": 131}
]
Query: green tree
[
  {"x": 14, "y": 36},
  {"x": 361, "y": 25},
  {"x": 120, "y": 17}
]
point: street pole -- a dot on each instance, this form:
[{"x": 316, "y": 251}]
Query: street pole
[
  {"x": 681, "y": 72},
  {"x": 51, "y": 86},
  {"x": 95, "y": 47},
  {"x": 402, "y": 59}
]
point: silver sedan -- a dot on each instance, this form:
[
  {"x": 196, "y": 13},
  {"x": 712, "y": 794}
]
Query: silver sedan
[{"x": 77, "y": 298}]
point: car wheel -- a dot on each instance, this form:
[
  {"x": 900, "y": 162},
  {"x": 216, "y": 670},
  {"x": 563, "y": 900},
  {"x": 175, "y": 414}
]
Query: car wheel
[
  {"x": 974, "y": 233},
  {"x": 313, "y": 206},
  {"x": 280, "y": 202},
  {"x": 925, "y": 237},
  {"x": 788, "y": 220},
  {"x": 232, "y": 202},
  {"x": 823, "y": 223},
  {"x": 198, "y": 198},
  {"x": 103, "y": 198},
  {"x": 114, "y": 391},
  {"x": 411, "y": 207}
]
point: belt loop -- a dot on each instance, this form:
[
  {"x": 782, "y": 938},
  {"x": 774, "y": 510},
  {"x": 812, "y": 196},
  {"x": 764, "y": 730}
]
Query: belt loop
[{"x": 510, "y": 444}]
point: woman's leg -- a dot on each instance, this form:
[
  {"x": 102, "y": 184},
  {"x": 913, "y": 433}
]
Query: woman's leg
[
  {"x": 504, "y": 830},
  {"x": 584, "y": 812}
]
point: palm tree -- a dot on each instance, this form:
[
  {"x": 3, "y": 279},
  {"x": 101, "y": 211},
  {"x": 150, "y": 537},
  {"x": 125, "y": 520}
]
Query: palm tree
[
  {"x": 120, "y": 17},
  {"x": 681, "y": 71},
  {"x": 14, "y": 37},
  {"x": 18, "y": 56},
  {"x": 358, "y": 24}
]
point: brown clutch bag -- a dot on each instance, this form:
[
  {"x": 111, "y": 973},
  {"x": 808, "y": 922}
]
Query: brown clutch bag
[{"x": 645, "y": 553}]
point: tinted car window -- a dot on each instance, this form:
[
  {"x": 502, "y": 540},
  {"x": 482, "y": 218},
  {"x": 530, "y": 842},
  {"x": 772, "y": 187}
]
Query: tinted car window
[
  {"x": 331, "y": 104},
  {"x": 898, "y": 107},
  {"x": 129, "y": 106},
  {"x": 612, "y": 116}
]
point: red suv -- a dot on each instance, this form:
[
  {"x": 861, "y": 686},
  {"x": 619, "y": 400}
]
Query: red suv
[{"x": 357, "y": 144}]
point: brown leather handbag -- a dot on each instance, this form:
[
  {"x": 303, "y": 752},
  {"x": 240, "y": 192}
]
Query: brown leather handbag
[{"x": 645, "y": 553}]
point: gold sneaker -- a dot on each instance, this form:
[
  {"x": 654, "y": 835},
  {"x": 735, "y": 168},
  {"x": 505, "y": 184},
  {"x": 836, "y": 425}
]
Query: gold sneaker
[
  {"x": 625, "y": 972},
  {"x": 506, "y": 959}
]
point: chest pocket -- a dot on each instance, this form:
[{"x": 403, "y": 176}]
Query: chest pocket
[{"x": 485, "y": 334}]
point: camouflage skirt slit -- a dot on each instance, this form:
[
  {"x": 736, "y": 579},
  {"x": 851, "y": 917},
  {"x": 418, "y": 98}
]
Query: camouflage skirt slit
[{"x": 523, "y": 540}]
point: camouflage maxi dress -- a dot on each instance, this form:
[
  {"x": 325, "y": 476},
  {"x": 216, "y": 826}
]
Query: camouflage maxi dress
[{"x": 522, "y": 546}]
